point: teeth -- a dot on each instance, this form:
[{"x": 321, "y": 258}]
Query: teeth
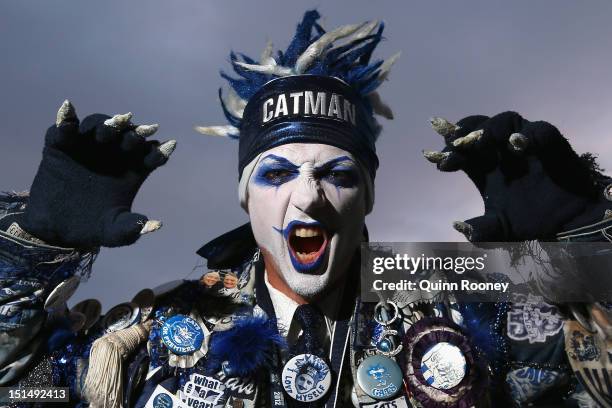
[{"x": 307, "y": 232}]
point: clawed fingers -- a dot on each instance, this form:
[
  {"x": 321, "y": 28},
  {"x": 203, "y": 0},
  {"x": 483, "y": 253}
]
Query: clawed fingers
[
  {"x": 126, "y": 227},
  {"x": 443, "y": 127},
  {"x": 135, "y": 138},
  {"x": 150, "y": 226},
  {"x": 66, "y": 113},
  {"x": 66, "y": 128},
  {"x": 120, "y": 121},
  {"x": 159, "y": 154},
  {"x": 485, "y": 228},
  {"x": 146, "y": 130},
  {"x": 469, "y": 140},
  {"x": 445, "y": 161},
  {"x": 464, "y": 228},
  {"x": 518, "y": 142}
]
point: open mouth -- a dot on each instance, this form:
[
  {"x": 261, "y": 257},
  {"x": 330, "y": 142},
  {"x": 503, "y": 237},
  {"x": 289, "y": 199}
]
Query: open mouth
[{"x": 307, "y": 243}]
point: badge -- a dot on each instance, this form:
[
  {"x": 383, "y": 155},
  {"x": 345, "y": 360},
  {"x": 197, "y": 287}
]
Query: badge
[
  {"x": 395, "y": 403},
  {"x": 77, "y": 321},
  {"x": 306, "y": 377},
  {"x": 121, "y": 317},
  {"x": 443, "y": 366},
  {"x": 91, "y": 309},
  {"x": 202, "y": 391},
  {"x": 182, "y": 335},
  {"x": 379, "y": 377},
  {"x": 62, "y": 292},
  {"x": 145, "y": 299},
  {"x": 162, "y": 398},
  {"x": 210, "y": 279}
]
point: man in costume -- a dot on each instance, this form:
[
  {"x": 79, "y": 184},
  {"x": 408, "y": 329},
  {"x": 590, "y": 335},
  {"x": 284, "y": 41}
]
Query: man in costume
[{"x": 277, "y": 320}]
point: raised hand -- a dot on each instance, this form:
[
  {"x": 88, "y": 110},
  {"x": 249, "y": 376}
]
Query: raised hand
[
  {"x": 532, "y": 182},
  {"x": 87, "y": 180}
]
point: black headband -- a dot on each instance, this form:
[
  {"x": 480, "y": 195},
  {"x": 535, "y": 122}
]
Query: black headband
[{"x": 307, "y": 109}]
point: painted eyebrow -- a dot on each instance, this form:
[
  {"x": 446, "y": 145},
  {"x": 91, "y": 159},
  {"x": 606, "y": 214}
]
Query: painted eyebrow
[
  {"x": 279, "y": 160},
  {"x": 333, "y": 162}
]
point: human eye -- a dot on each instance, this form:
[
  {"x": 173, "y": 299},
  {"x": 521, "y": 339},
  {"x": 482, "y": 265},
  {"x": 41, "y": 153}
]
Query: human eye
[
  {"x": 274, "y": 176},
  {"x": 342, "y": 177},
  {"x": 277, "y": 176}
]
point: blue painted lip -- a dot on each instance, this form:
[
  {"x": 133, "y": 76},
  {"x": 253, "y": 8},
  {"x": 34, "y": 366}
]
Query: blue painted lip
[{"x": 302, "y": 267}]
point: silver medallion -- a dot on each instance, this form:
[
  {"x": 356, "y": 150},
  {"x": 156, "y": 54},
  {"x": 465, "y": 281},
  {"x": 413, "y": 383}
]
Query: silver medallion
[
  {"x": 121, "y": 317},
  {"x": 443, "y": 366}
]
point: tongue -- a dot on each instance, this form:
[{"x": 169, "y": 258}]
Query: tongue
[{"x": 306, "y": 245}]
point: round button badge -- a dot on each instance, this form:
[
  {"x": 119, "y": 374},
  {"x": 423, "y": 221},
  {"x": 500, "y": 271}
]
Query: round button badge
[
  {"x": 182, "y": 335},
  {"x": 443, "y": 366},
  {"x": 62, "y": 292},
  {"x": 121, "y": 317},
  {"x": 306, "y": 378},
  {"x": 91, "y": 309},
  {"x": 145, "y": 299},
  {"x": 379, "y": 377}
]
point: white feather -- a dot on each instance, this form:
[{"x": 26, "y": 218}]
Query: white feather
[
  {"x": 234, "y": 104},
  {"x": 317, "y": 48},
  {"x": 266, "y": 55},
  {"x": 223, "y": 131},
  {"x": 383, "y": 72},
  {"x": 266, "y": 69},
  {"x": 367, "y": 29}
]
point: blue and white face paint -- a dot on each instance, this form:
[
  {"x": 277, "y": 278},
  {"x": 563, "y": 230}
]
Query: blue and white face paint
[{"x": 307, "y": 205}]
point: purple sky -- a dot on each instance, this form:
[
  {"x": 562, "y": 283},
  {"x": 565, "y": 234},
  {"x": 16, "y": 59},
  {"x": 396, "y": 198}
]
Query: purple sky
[{"x": 549, "y": 60}]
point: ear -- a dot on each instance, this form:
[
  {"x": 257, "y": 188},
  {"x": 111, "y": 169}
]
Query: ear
[{"x": 243, "y": 194}]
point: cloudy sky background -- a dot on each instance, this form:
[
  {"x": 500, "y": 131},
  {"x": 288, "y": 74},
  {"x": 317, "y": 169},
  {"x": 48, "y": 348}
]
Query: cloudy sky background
[{"x": 549, "y": 60}]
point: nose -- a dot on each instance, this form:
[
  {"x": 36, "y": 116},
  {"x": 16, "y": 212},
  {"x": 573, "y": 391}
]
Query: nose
[{"x": 308, "y": 195}]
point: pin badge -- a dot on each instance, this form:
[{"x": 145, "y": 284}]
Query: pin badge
[
  {"x": 62, "y": 292},
  {"x": 379, "y": 377},
  {"x": 182, "y": 335},
  {"x": 121, "y": 317},
  {"x": 306, "y": 378},
  {"x": 145, "y": 299},
  {"x": 91, "y": 309},
  {"x": 443, "y": 366},
  {"x": 77, "y": 321}
]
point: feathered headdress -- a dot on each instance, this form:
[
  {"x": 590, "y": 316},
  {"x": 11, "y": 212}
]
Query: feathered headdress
[{"x": 344, "y": 53}]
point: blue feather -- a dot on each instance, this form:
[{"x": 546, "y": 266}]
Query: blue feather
[
  {"x": 246, "y": 347},
  {"x": 365, "y": 58},
  {"x": 243, "y": 87},
  {"x": 302, "y": 38}
]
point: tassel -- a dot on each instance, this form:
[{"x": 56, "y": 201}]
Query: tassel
[{"x": 103, "y": 385}]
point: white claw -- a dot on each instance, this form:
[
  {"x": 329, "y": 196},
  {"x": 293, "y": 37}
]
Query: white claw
[
  {"x": 65, "y": 112},
  {"x": 464, "y": 228},
  {"x": 167, "y": 148},
  {"x": 435, "y": 156},
  {"x": 519, "y": 142},
  {"x": 119, "y": 121},
  {"x": 146, "y": 130},
  {"x": 150, "y": 226},
  {"x": 442, "y": 126},
  {"x": 469, "y": 139}
]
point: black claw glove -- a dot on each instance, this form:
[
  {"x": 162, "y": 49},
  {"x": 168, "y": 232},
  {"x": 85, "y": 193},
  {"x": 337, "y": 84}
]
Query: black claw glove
[
  {"x": 87, "y": 180},
  {"x": 531, "y": 180}
]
